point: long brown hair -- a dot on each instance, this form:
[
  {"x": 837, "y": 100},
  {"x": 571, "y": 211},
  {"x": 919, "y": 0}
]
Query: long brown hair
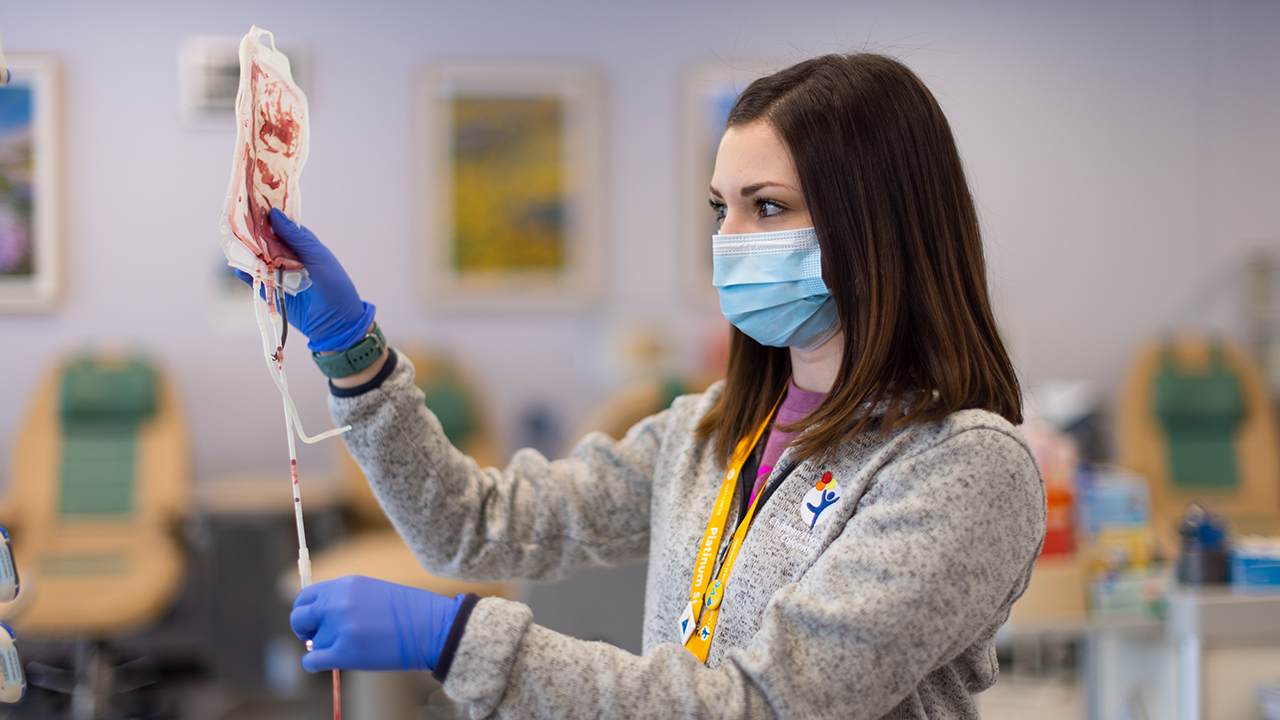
[{"x": 901, "y": 253}]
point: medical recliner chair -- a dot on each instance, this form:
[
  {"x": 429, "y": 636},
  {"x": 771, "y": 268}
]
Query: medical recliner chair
[
  {"x": 1195, "y": 418},
  {"x": 98, "y": 487}
]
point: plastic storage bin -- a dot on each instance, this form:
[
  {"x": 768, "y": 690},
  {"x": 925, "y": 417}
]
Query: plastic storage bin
[{"x": 1255, "y": 564}]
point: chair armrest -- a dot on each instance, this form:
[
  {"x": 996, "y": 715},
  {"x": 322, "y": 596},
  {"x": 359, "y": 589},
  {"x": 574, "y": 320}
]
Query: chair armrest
[{"x": 8, "y": 513}]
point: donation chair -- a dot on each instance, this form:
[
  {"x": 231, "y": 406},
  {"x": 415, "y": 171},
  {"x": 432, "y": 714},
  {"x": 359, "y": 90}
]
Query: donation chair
[
  {"x": 98, "y": 487},
  {"x": 1195, "y": 418}
]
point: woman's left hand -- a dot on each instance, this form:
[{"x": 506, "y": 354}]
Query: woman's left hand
[
  {"x": 359, "y": 623},
  {"x": 329, "y": 312}
]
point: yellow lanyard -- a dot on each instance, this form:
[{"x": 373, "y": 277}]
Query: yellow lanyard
[{"x": 698, "y": 623}]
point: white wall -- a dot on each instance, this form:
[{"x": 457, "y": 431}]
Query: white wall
[{"x": 1125, "y": 156}]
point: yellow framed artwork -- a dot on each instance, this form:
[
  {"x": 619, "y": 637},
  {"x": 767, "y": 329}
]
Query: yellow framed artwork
[{"x": 510, "y": 194}]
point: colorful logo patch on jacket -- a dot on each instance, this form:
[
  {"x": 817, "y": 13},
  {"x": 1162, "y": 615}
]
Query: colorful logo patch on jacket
[{"x": 818, "y": 500}]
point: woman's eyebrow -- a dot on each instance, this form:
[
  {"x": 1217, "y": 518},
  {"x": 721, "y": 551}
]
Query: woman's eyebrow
[{"x": 754, "y": 188}]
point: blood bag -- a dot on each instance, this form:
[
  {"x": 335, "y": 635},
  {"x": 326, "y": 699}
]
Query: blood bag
[
  {"x": 12, "y": 682},
  {"x": 8, "y": 570},
  {"x": 272, "y": 137}
]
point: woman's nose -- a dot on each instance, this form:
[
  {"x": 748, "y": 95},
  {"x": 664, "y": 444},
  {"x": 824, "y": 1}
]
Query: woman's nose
[{"x": 734, "y": 224}]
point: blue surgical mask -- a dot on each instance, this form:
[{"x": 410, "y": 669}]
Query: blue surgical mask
[{"x": 771, "y": 287}]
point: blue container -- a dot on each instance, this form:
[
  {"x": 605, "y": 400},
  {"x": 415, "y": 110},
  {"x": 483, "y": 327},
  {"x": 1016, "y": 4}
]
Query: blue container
[
  {"x": 1111, "y": 498},
  {"x": 1255, "y": 565}
]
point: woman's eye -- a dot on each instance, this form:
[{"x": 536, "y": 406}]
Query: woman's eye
[
  {"x": 769, "y": 208},
  {"x": 719, "y": 209}
]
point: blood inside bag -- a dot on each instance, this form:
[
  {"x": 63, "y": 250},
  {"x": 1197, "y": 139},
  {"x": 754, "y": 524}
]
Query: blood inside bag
[{"x": 271, "y": 153}]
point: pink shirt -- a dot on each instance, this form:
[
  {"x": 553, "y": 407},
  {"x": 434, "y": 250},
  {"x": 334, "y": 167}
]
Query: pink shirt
[{"x": 797, "y": 404}]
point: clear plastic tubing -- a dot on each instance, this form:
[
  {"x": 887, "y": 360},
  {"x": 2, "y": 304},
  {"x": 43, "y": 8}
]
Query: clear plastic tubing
[{"x": 273, "y": 349}]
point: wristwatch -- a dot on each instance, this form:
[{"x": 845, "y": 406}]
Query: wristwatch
[{"x": 355, "y": 358}]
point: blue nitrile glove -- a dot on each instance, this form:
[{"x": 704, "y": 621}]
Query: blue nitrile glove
[
  {"x": 330, "y": 312},
  {"x": 359, "y": 623}
]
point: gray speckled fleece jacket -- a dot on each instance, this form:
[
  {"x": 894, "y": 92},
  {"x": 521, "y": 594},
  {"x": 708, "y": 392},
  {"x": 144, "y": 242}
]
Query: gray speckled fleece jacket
[{"x": 883, "y": 606}]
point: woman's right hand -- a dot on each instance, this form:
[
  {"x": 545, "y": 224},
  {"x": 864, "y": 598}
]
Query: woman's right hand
[
  {"x": 329, "y": 312},
  {"x": 361, "y": 623}
]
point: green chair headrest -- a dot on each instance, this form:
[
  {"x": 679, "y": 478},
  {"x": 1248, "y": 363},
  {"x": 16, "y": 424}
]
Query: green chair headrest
[
  {"x": 446, "y": 397},
  {"x": 1201, "y": 415},
  {"x": 96, "y": 390}
]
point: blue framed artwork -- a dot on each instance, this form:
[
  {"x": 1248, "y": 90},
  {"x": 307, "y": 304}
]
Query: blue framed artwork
[{"x": 31, "y": 262}]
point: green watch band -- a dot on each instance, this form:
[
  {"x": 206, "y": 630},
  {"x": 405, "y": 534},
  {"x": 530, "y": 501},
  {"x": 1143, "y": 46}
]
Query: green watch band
[{"x": 355, "y": 358}]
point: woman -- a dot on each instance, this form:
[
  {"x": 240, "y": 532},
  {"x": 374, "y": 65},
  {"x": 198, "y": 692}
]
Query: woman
[{"x": 849, "y": 554}]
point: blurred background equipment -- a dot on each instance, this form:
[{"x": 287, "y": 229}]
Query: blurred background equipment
[
  {"x": 12, "y": 682},
  {"x": 1139, "y": 610},
  {"x": 1255, "y": 564},
  {"x": 9, "y": 580},
  {"x": 4, "y": 70},
  {"x": 1058, "y": 457},
  {"x": 1204, "y": 556}
]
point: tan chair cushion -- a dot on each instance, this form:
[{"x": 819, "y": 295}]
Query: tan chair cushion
[{"x": 102, "y": 581}]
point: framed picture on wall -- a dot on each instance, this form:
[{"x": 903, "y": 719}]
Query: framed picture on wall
[
  {"x": 709, "y": 90},
  {"x": 510, "y": 194},
  {"x": 209, "y": 77},
  {"x": 31, "y": 261}
]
